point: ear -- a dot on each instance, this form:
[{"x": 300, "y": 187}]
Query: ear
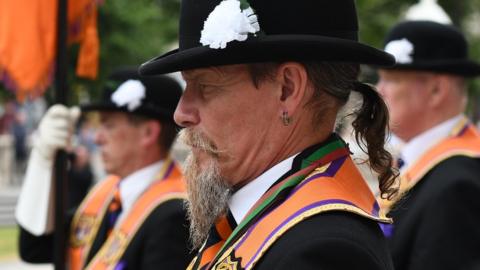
[
  {"x": 440, "y": 89},
  {"x": 293, "y": 81},
  {"x": 150, "y": 131}
]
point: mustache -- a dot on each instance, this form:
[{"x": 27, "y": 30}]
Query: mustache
[{"x": 198, "y": 140}]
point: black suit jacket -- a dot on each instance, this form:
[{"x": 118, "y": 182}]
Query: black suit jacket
[
  {"x": 330, "y": 241},
  {"x": 437, "y": 223},
  {"x": 160, "y": 243}
]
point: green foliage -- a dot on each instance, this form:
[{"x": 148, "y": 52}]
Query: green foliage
[
  {"x": 131, "y": 32},
  {"x": 376, "y": 17},
  {"x": 134, "y": 31}
]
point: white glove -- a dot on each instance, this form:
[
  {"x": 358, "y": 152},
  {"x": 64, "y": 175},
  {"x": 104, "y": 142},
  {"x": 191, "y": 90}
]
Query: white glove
[
  {"x": 55, "y": 130},
  {"x": 35, "y": 205}
]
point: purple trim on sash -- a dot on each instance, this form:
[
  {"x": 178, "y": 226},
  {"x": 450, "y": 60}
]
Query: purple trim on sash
[
  {"x": 113, "y": 216},
  {"x": 252, "y": 227},
  {"x": 306, "y": 208},
  {"x": 121, "y": 265},
  {"x": 169, "y": 170},
  {"x": 387, "y": 229},
  {"x": 330, "y": 172},
  {"x": 464, "y": 129},
  {"x": 376, "y": 209}
]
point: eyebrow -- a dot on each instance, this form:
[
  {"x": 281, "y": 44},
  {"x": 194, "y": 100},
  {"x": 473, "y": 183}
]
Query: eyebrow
[
  {"x": 197, "y": 74},
  {"x": 217, "y": 74}
]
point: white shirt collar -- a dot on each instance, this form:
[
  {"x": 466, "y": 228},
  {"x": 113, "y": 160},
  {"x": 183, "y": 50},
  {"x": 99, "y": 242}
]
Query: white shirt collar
[
  {"x": 416, "y": 147},
  {"x": 395, "y": 145},
  {"x": 132, "y": 186},
  {"x": 244, "y": 198}
]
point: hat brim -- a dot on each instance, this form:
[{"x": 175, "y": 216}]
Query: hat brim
[
  {"x": 460, "y": 67},
  {"x": 156, "y": 113},
  {"x": 100, "y": 107},
  {"x": 272, "y": 48}
]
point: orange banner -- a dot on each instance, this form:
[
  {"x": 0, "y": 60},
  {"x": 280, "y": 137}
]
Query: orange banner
[{"x": 28, "y": 42}]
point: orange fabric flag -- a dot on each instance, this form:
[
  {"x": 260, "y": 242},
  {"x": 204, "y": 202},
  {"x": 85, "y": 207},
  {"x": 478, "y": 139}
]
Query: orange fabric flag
[
  {"x": 82, "y": 18},
  {"x": 28, "y": 42}
]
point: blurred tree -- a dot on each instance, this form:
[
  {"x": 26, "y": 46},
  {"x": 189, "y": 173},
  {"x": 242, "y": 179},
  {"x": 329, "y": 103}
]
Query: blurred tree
[
  {"x": 134, "y": 31},
  {"x": 378, "y": 16},
  {"x": 131, "y": 32}
]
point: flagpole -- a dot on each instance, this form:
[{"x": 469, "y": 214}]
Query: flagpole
[{"x": 60, "y": 172}]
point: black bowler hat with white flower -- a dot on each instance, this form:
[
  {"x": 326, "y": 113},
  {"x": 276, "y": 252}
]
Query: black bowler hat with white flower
[
  {"x": 430, "y": 46},
  {"x": 221, "y": 32},
  {"x": 127, "y": 91}
]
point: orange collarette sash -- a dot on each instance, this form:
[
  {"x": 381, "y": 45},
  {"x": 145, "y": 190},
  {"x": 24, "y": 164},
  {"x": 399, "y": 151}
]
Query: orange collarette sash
[
  {"x": 87, "y": 220},
  {"x": 464, "y": 140},
  {"x": 88, "y": 217},
  {"x": 336, "y": 186}
]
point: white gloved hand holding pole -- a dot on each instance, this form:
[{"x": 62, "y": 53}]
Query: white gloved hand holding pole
[{"x": 34, "y": 210}]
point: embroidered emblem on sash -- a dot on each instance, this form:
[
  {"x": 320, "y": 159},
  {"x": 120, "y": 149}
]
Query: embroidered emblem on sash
[
  {"x": 227, "y": 264},
  {"x": 115, "y": 247},
  {"x": 83, "y": 231},
  {"x": 320, "y": 169}
]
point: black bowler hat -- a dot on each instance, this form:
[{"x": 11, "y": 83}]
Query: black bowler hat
[
  {"x": 127, "y": 91},
  {"x": 430, "y": 46},
  {"x": 302, "y": 30}
]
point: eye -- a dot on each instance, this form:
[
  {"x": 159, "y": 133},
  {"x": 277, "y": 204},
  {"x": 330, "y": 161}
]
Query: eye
[
  {"x": 208, "y": 90},
  {"x": 107, "y": 124}
]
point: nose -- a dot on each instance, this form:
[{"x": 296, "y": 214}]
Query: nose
[
  {"x": 99, "y": 136},
  {"x": 186, "y": 113}
]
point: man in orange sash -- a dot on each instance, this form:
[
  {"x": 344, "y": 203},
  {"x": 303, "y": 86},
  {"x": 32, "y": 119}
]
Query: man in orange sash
[
  {"x": 436, "y": 221},
  {"x": 134, "y": 219},
  {"x": 270, "y": 185}
]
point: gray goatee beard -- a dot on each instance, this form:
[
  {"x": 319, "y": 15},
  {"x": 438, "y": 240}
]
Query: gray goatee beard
[{"x": 208, "y": 192}]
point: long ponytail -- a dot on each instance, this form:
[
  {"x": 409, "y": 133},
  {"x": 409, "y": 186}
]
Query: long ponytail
[
  {"x": 371, "y": 122},
  {"x": 371, "y": 130}
]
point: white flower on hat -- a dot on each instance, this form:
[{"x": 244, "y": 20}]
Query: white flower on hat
[
  {"x": 428, "y": 10},
  {"x": 228, "y": 22},
  {"x": 129, "y": 93},
  {"x": 402, "y": 49}
]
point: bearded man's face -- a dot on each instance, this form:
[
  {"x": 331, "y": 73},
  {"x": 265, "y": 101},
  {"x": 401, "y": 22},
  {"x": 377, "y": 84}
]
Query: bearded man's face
[
  {"x": 208, "y": 193},
  {"x": 234, "y": 130}
]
